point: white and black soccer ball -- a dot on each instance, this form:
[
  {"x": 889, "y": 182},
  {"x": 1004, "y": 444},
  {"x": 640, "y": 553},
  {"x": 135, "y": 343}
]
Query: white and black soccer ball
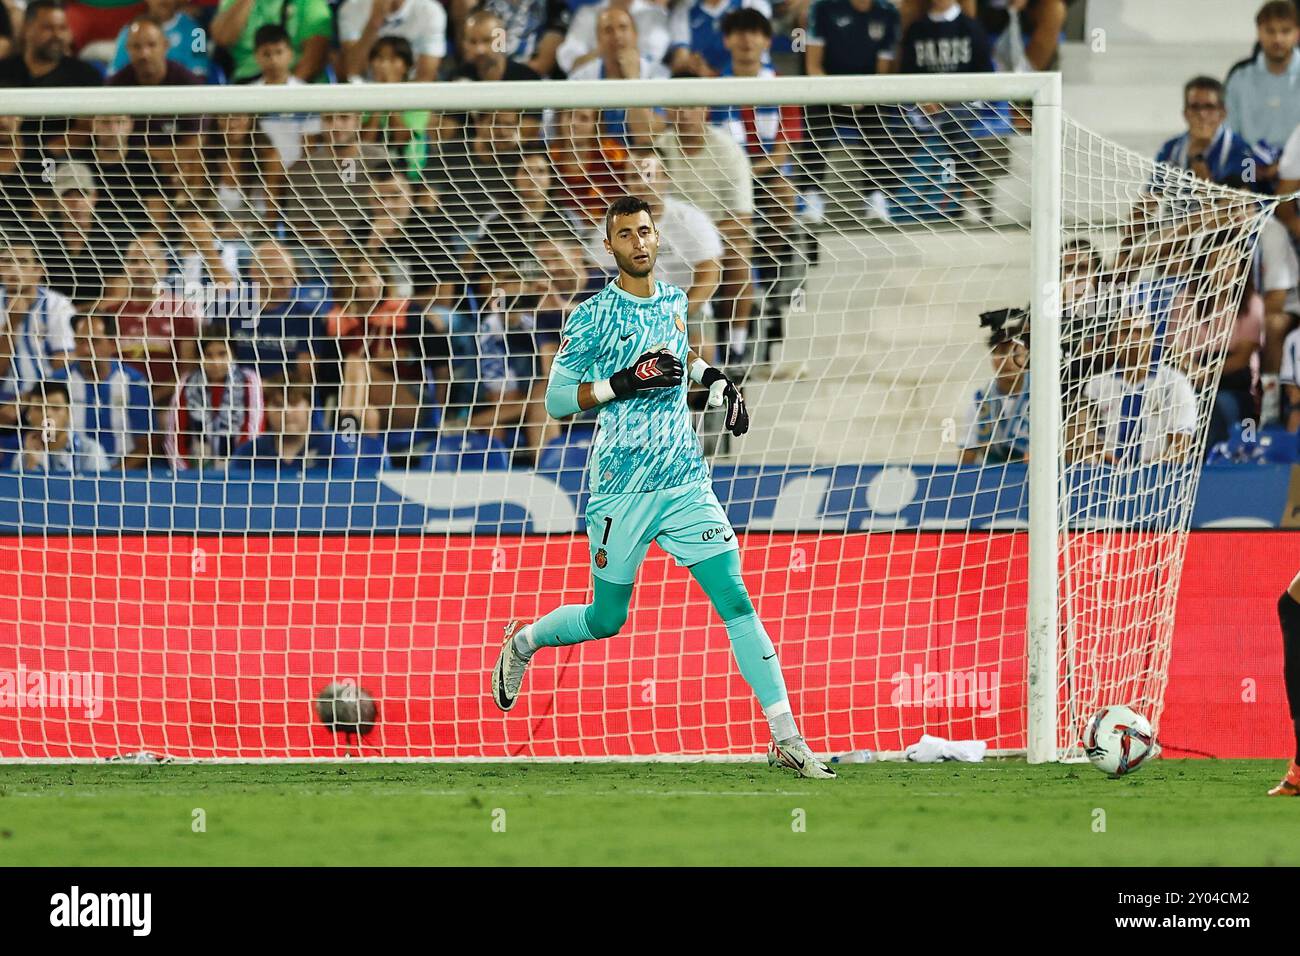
[
  {"x": 1117, "y": 740},
  {"x": 346, "y": 708}
]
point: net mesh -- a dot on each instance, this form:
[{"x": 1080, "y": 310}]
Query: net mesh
[{"x": 273, "y": 420}]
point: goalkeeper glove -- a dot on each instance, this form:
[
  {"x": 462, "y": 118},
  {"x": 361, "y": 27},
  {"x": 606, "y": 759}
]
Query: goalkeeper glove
[
  {"x": 654, "y": 369},
  {"x": 721, "y": 389}
]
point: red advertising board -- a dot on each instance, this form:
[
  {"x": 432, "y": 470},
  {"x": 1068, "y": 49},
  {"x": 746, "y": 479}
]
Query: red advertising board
[{"x": 216, "y": 646}]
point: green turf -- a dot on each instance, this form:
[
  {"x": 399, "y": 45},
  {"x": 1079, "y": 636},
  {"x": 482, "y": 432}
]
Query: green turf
[{"x": 1194, "y": 812}]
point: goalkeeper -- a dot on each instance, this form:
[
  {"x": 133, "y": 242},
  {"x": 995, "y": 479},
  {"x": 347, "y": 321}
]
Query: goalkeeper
[{"x": 622, "y": 350}]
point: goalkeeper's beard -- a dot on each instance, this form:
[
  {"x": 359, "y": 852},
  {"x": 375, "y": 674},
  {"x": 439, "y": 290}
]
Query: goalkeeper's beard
[{"x": 629, "y": 266}]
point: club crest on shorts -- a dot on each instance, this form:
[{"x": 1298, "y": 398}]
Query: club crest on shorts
[
  {"x": 677, "y": 320},
  {"x": 602, "y": 558}
]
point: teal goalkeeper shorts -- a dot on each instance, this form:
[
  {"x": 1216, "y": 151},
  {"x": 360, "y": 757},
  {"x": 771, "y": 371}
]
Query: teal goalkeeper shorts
[{"x": 687, "y": 521}]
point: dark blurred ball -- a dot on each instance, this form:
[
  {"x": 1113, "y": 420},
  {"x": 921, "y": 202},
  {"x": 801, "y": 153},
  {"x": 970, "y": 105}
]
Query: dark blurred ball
[{"x": 346, "y": 709}]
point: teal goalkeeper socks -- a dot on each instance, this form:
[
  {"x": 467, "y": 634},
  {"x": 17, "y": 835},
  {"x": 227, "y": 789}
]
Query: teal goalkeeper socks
[
  {"x": 757, "y": 659},
  {"x": 576, "y": 623},
  {"x": 722, "y": 581}
]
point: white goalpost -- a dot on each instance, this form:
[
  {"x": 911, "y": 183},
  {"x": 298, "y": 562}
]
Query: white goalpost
[{"x": 981, "y": 347}]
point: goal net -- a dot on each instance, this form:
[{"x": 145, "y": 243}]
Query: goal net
[{"x": 273, "y": 413}]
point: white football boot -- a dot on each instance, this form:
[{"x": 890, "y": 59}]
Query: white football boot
[
  {"x": 799, "y": 758},
  {"x": 508, "y": 674}
]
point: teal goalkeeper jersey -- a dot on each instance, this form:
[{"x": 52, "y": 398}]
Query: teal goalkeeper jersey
[{"x": 644, "y": 442}]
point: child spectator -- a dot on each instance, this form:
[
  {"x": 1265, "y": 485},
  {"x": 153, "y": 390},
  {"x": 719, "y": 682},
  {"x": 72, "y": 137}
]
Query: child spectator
[
  {"x": 285, "y": 131},
  {"x": 766, "y": 134},
  {"x": 421, "y": 23},
  {"x": 697, "y": 44},
  {"x": 290, "y": 446},
  {"x": 948, "y": 41},
  {"x": 308, "y": 24},
  {"x": 50, "y": 443},
  {"x": 110, "y": 402},
  {"x": 405, "y": 135},
  {"x": 216, "y": 408}
]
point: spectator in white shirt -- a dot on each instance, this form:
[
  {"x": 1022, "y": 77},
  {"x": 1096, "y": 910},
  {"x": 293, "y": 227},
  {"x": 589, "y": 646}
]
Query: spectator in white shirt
[
  {"x": 285, "y": 131},
  {"x": 707, "y": 168},
  {"x": 35, "y": 328},
  {"x": 620, "y": 59},
  {"x": 579, "y": 46},
  {"x": 422, "y": 23},
  {"x": 1135, "y": 414}
]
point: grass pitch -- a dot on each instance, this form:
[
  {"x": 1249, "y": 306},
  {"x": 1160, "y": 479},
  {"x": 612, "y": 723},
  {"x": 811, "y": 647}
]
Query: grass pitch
[{"x": 1185, "y": 812}]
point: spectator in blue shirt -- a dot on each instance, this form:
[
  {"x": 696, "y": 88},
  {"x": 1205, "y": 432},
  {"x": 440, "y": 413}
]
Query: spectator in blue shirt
[
  {"x": 534, "y": 30},
  {"x": 50, "y": 443},
  {"x": 292, "y": 445},
  {"x": 995, "y": 428},
  {"x": 110, "y": 401},
  {"x": 279, "y": 338},
  {"x": 697, "y": 42},
  {"x": 1262, "y": 94},
  {"x": 948, "y": 41},
  {"x": 1210, "y": 148},
  {"x": 851, "y": 38},
  {"x": 187, "y": 41}
]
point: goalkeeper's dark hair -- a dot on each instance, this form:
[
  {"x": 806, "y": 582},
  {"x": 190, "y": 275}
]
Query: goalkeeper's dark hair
[
  {"x": 746, "y": 19},
  {"x": 625, "y": 206}
]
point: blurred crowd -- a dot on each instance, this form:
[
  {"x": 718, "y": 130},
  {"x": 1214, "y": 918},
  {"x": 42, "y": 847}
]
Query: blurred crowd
[
  {"x": 1192, "y": 318},
  {"x": 357, "y": 291}
]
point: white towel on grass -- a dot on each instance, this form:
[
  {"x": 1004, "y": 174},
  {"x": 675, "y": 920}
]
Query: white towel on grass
[{"x": 935, "y": 749}]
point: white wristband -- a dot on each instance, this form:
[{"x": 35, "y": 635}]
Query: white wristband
[
  {"x": 698, "y": 368},
  {"x": 603, "y": 391}
]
